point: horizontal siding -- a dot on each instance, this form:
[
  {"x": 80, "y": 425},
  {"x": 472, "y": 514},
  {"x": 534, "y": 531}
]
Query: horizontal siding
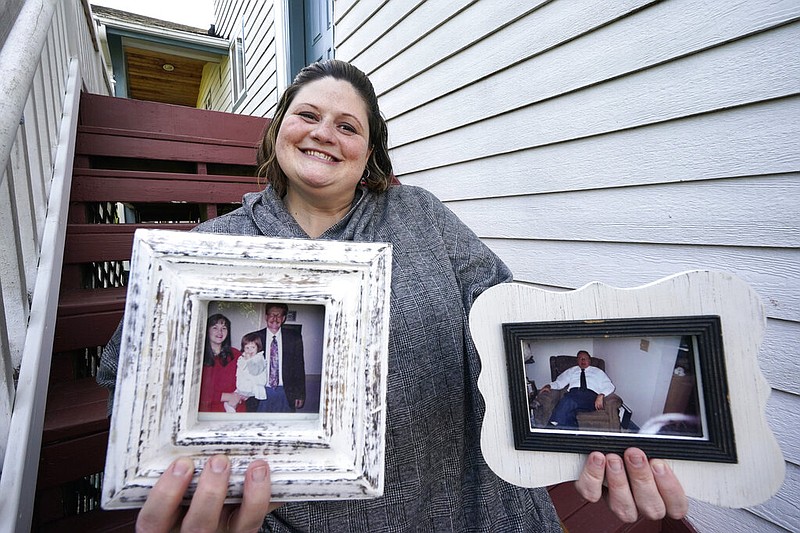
[
  {"x": 727, "y": 212},
  {"x": 774, "y": 274},
  {"x": 707, "y": 518},
  {"x": 784, "y": 427},
  {"x": 780, "y": 518},
  {"x": 781, "y": 366},
  {"x": 773, "y": 122},
  {"x": 538, "y": 41},
  {"x": 354, "y": 16},
  {"x": 762, "y": 67},
  {"x": 575, "y": 45},
  {"x": 744, "y": 141},
  {"x": 783, "y": 509},
  {"x": 440, "y": 39},
  {"x": 401, "y": 23}
]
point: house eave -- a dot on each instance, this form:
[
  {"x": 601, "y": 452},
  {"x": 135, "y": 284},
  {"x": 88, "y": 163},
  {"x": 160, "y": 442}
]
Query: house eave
[{"x": 203, "y": 43}]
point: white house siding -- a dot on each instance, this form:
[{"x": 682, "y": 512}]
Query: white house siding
[
  {"x": 615, "y": 141},
  {"x": 260, "y": 58}
]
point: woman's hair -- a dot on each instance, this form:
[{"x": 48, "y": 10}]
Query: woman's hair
[
  {"x": 379, "y": 166},
  {"x": 254, "y": 338},
  {"x": 225, "y": 355}
]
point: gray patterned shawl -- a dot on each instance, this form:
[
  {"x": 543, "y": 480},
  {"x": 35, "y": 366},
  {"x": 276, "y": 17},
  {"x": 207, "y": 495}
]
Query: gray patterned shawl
[{"x": 436, "y": 478}]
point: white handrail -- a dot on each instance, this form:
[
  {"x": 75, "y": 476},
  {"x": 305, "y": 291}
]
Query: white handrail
[
  {"x": 21, "y": 464},
  {"x": 19, "y": 59},
  {"x": 46, "y": 60}
]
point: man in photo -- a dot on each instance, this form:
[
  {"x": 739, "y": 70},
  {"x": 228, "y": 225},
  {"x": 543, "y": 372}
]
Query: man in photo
[
  {"x": 587, "y": 386},
  {"x": 286, "y": 371}
]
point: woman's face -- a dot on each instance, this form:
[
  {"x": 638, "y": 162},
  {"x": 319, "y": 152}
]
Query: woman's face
[
  {"x": 217, "y": 333},
  {"x": 323, "y": 142}
]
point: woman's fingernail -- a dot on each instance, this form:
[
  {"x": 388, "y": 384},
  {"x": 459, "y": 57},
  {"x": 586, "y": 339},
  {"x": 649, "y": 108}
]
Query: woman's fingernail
[
  {"x": 182, "y": 466},
  {"x": 615, "y": 464},
  {"x": 597, "y": 459},
  {"x": 636, "y": 459},
  {"x": 659, "y": 467},
  {"x": 260, "y": 473},
  {"x": 218, "y": 464}
]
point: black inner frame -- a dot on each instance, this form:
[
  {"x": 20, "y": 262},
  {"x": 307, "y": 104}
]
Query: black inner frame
[{"x": 720, "y": 445}]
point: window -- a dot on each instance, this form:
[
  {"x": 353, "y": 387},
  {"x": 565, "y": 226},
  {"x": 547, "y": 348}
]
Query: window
[{"x": 238, "y": 77}]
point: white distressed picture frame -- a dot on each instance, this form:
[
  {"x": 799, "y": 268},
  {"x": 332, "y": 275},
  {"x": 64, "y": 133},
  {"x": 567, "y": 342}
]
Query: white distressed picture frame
[
  {"x": 338, "y": 454},
  {"x": 759, "y": 469}
]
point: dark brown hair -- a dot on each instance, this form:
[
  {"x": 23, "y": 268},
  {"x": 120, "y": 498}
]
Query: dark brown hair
[
  {"x": 379, "y": 166},
  {"x": 226, "y": 354}
]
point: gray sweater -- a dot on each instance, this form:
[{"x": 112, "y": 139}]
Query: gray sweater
[{"x": 436, "y": 478}]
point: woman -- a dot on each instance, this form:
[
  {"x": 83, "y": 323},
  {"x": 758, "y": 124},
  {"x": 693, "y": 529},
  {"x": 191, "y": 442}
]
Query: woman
[
  {"x": 218, "y": 382},
  {"x": 326, "y": 159}
]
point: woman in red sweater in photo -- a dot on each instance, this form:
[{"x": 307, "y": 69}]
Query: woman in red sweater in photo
[{"x": 218, "y": 385}]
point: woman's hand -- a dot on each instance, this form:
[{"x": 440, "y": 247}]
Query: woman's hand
[
  {"x": 635, "y": 485},
  {"x": 162, "y": 511}
]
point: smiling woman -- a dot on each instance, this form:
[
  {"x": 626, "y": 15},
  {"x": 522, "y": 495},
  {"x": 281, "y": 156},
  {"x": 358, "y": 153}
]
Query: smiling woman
[{"x": 323, "y": 148}]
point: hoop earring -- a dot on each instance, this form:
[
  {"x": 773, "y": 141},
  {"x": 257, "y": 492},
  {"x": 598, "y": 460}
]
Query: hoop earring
[{"x": 364, "y": 178}]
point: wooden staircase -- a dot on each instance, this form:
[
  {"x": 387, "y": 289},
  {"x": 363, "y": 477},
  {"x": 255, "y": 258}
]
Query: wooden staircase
[{"x": 158, "y": 166}]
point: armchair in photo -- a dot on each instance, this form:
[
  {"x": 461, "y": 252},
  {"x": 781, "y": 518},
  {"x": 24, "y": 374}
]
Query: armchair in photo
[{"x": 606, "y": 419}]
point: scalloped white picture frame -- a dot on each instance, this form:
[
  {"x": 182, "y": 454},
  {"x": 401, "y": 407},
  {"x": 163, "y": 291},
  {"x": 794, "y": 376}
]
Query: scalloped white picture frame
[{"x": 759, "y": 469}]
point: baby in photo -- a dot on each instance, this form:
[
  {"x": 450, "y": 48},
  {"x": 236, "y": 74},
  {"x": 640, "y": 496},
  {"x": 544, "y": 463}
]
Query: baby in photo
[{"x": 251, "y": 372}]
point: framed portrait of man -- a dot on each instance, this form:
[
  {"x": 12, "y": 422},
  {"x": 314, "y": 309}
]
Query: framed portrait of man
[{"x": 670, "y": 367}]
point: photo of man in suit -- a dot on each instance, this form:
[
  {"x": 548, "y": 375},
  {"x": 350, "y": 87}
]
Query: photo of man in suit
[
  {"x": 286, "y": 373},
  {"x": 587, "y": 386}
]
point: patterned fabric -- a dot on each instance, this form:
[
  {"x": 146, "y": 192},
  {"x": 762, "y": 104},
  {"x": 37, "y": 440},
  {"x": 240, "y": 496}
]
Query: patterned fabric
[
  {"x": 436, "y": 478},
  {"x": 273, "y": 362}
]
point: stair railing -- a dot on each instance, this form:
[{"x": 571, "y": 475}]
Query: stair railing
[{"x": 49, "y": 55}]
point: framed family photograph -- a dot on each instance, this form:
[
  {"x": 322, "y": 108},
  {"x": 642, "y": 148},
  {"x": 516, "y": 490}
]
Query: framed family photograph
[
  {"x": 670, "y": 367},
  {"x": 657, "y": 384},
  {"x": 258, "y": 348}
]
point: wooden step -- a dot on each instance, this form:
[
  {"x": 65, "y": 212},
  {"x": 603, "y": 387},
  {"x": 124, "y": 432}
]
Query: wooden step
[
  {"x": 72, "y": 459},
  {"x": 136, "y": 115},
  {"x": 75, "y": 409},
  {"x": 86, "y": 243},
  {"x": 75, "y": 432},
  {"x": 97, "y": 521},
  {"x": 100, "y": 185},
  {"x": 167, "y": 149},
  {"x": 87, "y": 317},
  {"x": 55, "y": 512}
]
